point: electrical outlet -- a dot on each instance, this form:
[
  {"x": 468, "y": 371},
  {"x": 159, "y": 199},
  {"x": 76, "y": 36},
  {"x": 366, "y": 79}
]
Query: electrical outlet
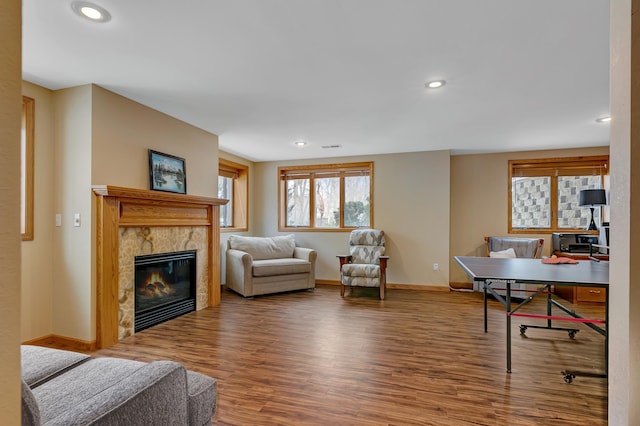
[
  {"x": 58, "y": 219},
  {"x": 436, "y": 267}
]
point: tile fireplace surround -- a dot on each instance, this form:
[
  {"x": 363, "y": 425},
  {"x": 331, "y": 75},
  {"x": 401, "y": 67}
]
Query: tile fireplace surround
[
  {"x": 133, "y": 222},
  {"x": 156, "y": 240}
]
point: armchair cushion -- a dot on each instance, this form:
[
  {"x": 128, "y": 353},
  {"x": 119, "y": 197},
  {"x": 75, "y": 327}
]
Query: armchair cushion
[
  {"x": 366, "y": 246},
  {"x": 366, "y": 254},
  {"x": 261, "y": 248},
  {"x": 361, "y": 270},
  {"x": 361, "y": 275}
]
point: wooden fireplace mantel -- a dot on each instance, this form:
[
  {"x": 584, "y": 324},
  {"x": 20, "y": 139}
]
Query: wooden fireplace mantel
[{"x": 119, "y": 207}]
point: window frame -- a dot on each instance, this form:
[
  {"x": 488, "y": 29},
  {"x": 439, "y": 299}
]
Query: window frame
[
  {"x": 240, "y": 207},
  {"x": 340, "y": 169},
  {"x": 562, "y": 167},
  {"x": 27, "y": 145}
]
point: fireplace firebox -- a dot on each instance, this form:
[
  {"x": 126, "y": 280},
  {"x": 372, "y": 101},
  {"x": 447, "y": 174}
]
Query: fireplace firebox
[{"x": 165, "y": 287}]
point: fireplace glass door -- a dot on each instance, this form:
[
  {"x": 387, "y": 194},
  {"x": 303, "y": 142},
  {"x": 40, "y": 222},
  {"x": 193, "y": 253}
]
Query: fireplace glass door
[{"x": 165, "y": 287}]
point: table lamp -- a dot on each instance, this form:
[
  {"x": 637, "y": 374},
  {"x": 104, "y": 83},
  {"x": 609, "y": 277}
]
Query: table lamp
[{"x": 592, "y": 198}]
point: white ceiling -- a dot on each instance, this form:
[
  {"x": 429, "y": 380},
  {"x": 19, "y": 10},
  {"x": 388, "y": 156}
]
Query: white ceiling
[{"x": 521, "y": 74}]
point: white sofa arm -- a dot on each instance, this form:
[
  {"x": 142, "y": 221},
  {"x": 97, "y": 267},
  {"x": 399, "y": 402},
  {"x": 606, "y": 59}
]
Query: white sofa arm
[
  {"x": 310, "y": 256},
  {"x": 238, "y": 273},
  {"x": 304, "y": 253}
]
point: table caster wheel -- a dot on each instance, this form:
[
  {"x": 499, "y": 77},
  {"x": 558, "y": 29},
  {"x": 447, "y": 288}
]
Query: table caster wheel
[
  {"x": 568, "y": 377},
  {"x": 523, "y": 329}
]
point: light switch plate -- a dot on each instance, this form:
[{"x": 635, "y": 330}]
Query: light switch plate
[
  {"x": 58, "y": 219},
  {"x": 76, "y": 219}
]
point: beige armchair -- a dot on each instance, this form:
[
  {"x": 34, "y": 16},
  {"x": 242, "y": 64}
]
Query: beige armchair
[
  {"x": 365, "y": 266},
  {"x": 523, "y": 247}
]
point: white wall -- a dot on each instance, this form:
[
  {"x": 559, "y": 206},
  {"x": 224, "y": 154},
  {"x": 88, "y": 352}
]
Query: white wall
[
  {"x": 10, "y": 114},
  {"x": 411, "y": 204},
  {"x": 37, "y": 260}
]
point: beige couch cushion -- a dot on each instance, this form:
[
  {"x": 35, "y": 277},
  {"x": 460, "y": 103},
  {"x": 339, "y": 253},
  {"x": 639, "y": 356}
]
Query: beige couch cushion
[
  {"x": 264, "y": 247},
  {"x": 269, "y": 267}
]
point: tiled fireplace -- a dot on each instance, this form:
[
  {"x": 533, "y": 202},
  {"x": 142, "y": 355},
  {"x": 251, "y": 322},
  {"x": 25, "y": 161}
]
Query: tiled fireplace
[
  {"x": 141, "y": 243},
  {"x": 138, "y": 224}
]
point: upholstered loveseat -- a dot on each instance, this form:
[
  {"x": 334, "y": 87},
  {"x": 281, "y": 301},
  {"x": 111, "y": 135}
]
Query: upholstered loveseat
[
  {"x": 264, "y": 265},
  {"x": 68, "y": 388}
]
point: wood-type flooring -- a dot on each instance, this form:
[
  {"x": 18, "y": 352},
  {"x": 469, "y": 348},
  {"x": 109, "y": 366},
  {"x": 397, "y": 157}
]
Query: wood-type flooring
[{"x": 416, "y": 358}]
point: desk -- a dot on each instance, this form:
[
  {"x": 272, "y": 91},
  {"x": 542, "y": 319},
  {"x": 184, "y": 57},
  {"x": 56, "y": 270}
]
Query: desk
[
  {"x": 491, "y": 271},
  {"x": 581, "y": 295}
]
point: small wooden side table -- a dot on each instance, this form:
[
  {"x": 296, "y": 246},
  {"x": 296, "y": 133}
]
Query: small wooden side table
[{"x": 581, "y": 295}]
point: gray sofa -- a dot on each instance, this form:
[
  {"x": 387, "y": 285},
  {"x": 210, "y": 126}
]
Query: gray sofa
[
  {"x": 264, "y": 265},
  {"x": 68, "y": 388}
]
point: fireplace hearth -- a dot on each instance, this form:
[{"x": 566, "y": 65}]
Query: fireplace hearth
[{"x": 165, "y": 287}]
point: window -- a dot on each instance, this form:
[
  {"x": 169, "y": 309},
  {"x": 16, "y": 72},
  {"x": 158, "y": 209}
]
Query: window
[
  {"x": 543, "y": 194},
  {"x": 26, "y": 168},
  {"x": 326, "y": 197},
  {"x": 233, "y": 181}
]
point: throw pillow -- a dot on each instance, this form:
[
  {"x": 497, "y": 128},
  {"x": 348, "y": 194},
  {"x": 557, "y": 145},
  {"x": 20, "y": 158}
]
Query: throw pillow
[{"x": 505, "y": 254}]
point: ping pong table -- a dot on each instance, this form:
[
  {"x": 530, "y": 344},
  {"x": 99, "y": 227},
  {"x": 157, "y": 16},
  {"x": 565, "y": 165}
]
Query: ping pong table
[{"x": 493, "y": 272}]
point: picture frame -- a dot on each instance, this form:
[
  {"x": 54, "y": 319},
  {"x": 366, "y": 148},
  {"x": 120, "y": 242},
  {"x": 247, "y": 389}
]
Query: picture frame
[{"x": 167, "y": 173}]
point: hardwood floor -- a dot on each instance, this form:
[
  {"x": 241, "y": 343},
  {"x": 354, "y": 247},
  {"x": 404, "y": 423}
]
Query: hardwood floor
[{"x": 416, "y": 358}]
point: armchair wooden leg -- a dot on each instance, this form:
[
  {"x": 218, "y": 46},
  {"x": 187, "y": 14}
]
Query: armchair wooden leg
[
  {"x": 341, "y": 290},
  {"x": 383, "y": 275}
]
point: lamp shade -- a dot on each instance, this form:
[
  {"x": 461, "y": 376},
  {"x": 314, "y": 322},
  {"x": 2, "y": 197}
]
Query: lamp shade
[{"x": 592, "y": 197}]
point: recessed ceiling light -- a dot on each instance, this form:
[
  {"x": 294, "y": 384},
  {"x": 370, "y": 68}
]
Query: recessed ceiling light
[
  {"x": 434, "y": 84},
  {"x": 603, "y": 119},
  {"x": 300, "y": 143},
  {"x": 91, "y": 11}
]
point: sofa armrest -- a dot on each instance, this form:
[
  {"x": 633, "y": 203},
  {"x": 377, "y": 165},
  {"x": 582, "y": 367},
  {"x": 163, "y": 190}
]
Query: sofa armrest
[
  {"x": 30, "y": 409},
  {"x": 307, "y": 254},
  {"x": 310, "y": 255},
  {"x": 154, "y": 394},
  {"x": 238, "y": 272}
]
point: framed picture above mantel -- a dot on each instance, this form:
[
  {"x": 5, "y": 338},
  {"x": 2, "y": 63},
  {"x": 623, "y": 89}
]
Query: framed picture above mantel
[{"x": 167, "y": 173}]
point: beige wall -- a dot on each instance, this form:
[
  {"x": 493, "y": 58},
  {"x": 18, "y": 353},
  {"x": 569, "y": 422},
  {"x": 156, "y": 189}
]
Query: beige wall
[
  {"x": 411, "y": 204},
  {"x": 10, "y": 107},
  {"x": 123, "y": 131},
  {"x": 252, "y": 208},
  {"x": 37, "y": 261},
  {"x": 479, "y": 197},
  {"x": 72, "y": 249},
  {"x": 624, "y": 328},
  {"x": 624, "y": 379},
  {"x": 88, "y": 136}
]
